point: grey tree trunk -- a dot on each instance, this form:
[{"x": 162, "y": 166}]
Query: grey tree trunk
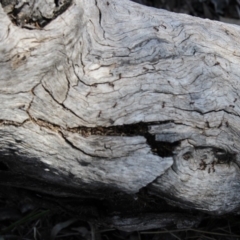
[{"x": 120, "y": 103}]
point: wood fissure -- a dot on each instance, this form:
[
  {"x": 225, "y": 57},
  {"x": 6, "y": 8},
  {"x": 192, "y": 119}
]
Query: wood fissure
[{"x": 163, "y": 149}]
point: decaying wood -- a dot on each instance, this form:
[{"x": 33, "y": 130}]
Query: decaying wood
[{"x": 108, "y": 94}]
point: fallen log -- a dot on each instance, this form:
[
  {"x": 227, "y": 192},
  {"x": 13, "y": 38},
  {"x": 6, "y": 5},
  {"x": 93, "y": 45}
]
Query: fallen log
[{"x": 110, "y": 98}]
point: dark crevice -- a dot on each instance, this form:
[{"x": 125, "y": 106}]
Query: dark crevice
[
  {"x": 135, "y": 129},
  {"x": 163, "y": 149},
  {"x": 56, "y": 3}
]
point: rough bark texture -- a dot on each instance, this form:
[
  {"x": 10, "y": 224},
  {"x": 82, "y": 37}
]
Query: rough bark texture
[{"x": 106, "y": 96}]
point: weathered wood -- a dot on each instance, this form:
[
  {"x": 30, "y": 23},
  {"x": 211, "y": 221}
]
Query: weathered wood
[{"x": 111, "y": 94}]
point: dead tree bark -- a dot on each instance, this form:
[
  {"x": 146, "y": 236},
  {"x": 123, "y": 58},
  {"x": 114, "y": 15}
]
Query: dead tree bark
[{"x": 106, "y": 97}]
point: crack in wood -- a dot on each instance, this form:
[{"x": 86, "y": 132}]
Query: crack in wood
[
  {"x": 100, "y": 18},
  {"x": 163, "y": 149},
  {"x": 61, "y": 104}
]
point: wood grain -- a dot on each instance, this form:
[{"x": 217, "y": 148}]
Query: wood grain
[{"x": 113, "y": 63}]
